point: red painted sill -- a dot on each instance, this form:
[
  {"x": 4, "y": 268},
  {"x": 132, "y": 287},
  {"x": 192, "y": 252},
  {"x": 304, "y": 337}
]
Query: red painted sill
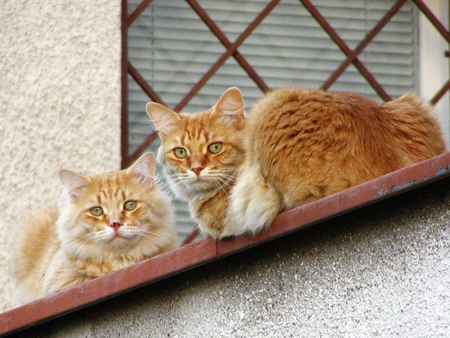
[{"x": 207, "y": 250}]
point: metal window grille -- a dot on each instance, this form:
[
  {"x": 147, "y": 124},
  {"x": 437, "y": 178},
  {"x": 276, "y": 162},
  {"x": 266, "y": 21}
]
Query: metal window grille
[{"x": 246, "y": 43}]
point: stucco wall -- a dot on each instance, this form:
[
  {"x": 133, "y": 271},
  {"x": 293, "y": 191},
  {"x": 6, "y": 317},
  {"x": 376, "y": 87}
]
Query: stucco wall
[
  {"x": 60, "y": 103},
  {"x": 382, "y": 271}
]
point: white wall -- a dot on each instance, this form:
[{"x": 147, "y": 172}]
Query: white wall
[
  {"x": 59, "y": 101},
  {"x": 434, "y": 67}
]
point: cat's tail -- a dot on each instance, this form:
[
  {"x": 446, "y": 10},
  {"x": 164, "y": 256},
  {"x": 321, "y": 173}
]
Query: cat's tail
[
  {"x": 419, "y": 124},
  {"x": 253, "y": 204},
  {"x": 415, "y": 103}
]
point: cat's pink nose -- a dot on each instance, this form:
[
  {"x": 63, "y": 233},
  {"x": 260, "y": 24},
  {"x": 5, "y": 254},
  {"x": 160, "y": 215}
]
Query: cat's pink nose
[
  {"x": 197, "y": 170},
  {"x": 115, "y": 225}
]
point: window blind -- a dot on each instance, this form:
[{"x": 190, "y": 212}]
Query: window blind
[{"x": 172, "y": 48}]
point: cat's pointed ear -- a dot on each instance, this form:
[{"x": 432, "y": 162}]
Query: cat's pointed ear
[
  {"x": 163, "y": 118},
  {"x": 230, "y": 108},
  {"x": 74, "y": 183},
  {"x": 144, "y": 169}
]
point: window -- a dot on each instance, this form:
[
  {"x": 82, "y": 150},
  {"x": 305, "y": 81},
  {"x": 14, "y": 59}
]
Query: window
[{"x": 172, "y": 48}]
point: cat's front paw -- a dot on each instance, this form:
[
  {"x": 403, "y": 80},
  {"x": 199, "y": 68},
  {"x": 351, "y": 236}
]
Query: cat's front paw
[
  {"x": 210, "y": 226},
  {"x": 253, "y": 205},
  {"x": 238, "y": 224}
]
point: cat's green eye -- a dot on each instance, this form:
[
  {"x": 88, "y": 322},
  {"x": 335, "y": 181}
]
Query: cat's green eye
[
  {"x": 130, "y": 205},
  {"x": 96, "y": 211},
  {"x": 215, "y": 148},
  {"x": 180, "y": 152}
]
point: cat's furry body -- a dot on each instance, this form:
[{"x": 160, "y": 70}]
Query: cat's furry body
[
  {"x": 304, "y": 144},
  {"x": 132, "y": 221}
]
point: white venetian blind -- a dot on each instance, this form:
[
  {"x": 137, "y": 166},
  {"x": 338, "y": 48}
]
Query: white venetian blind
[{"x": 172, "y": 48}]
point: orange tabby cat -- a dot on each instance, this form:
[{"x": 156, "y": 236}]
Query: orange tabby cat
[
  {"x": 300, "y": 145},
  {"x": 105, "y": 223},
  {"x": 200, "y": 154}
]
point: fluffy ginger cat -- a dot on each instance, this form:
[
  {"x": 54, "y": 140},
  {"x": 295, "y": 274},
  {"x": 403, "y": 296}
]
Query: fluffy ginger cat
[
  {"x": 296, "y": 146},
  {"x": 105, "y": 222}
]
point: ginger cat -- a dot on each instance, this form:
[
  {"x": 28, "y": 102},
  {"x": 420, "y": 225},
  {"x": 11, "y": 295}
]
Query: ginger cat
[
  {"x": 296, "y": 146},
  {"x": 104, "y": 223},
  {"x": 200, "y": 154}
]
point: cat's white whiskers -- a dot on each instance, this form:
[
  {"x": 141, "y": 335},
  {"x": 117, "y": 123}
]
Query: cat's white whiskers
[
  {"x": 231, "y": 177},
  {"x": 228, "y": 178},
  {"x": 219, "y": 186},
  {"x": 222, "y": 186},
  {"x": 151, "y": 235}
]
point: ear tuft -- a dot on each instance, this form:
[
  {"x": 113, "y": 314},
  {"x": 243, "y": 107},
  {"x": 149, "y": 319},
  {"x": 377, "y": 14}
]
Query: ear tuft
[
  {"x": 163, "y": 118},
  {"x": 144, "y": 169},
  {"x": 230, "y": 108},
  {"x": 74, "y": 183}
]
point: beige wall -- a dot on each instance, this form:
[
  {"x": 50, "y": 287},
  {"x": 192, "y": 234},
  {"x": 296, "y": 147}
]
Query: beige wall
[
  {"x": 59, "y": 100},
  {"x": 434, "y": 67}
]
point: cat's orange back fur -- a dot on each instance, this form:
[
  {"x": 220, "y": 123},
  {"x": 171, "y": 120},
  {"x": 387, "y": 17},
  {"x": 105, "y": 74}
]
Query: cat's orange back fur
[
  {"x": 36, "y": 245},
  {"x": 304, "y": 144},
  {"x": 310, "y": 144}
]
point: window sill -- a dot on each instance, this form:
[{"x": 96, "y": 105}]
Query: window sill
[{"x": 206, "y": 250}]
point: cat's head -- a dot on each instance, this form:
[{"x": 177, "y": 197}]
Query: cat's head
[
  {"x": 114, "y": 212},
  {"x": 201, "y": 152}
]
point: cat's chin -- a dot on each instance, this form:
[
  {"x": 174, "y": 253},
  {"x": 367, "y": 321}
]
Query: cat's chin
[
  {"x": 201, "y": 182},
  {"x": 117, "y": 239},
  {"x": 201, "y": 186},
  {"x": 118, "y": 243},
  {"x": 188, "y": 190}
]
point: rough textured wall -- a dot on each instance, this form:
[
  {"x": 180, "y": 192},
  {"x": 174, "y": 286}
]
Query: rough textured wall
[
  {"x": 382, "y": 271},
  {"x": 59, "y": 100}
]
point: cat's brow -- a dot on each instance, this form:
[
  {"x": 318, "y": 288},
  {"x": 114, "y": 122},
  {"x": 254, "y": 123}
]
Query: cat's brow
[
  {"x": 196, "y": 134},
  {"x": 111, "y": 188}
]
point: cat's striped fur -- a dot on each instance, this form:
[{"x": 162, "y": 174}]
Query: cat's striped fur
[
  {"x": 56, "y": 250},
  {"x": 297, "y": 146}
]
